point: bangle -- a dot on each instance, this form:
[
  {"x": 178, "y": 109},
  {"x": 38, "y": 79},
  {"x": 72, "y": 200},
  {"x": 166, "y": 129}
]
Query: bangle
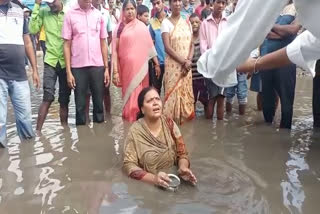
[{"x": 255, "y": 65}]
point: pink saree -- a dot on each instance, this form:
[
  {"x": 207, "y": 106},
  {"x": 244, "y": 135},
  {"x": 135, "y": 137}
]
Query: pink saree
[{"x": 132, "y": 50}]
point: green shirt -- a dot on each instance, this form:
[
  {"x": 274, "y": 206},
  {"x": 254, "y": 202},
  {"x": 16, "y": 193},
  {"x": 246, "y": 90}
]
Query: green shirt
[{"x": 52, "y": 23}]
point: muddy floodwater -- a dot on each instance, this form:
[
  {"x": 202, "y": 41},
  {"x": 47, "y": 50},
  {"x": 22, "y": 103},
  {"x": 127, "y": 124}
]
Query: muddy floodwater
[{"x": 242, "y": 166}]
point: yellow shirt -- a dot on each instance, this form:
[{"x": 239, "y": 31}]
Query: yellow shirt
[{"x": 42, "y": 36}]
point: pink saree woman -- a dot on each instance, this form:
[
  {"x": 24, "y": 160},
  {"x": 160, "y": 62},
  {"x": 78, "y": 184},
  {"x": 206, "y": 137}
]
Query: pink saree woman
[{"x": 131, "y": 52}]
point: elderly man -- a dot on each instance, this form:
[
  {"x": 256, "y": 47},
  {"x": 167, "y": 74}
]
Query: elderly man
[
  {"x": 14, "y": 43},
  {"x": 244, "y": 33}
]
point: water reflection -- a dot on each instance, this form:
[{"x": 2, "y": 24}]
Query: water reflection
[{"x": 243, "y": 166}]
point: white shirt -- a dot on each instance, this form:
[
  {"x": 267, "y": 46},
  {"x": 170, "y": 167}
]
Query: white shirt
[
  {"x": 166, "y": 26},
  {"x": 246, "y": 30}
]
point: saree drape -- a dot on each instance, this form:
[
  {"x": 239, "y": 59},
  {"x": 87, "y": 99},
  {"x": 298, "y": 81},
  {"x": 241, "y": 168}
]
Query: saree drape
[
  {"x": 179, "y": 100},
  {"x": 132, "y": 50},
  {"x": 143, "y": 151}
]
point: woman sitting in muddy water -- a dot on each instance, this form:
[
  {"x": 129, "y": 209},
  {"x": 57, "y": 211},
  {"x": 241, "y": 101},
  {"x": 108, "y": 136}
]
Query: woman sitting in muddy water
[{"x": 154, "y": 144}]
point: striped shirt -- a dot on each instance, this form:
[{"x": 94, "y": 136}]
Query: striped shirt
[{"x": 196, "y": 56}]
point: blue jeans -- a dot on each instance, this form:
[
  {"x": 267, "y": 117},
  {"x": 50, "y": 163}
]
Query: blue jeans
[
  {"x": 19, "y": 93},
  {"x": 241, "y": 89}
]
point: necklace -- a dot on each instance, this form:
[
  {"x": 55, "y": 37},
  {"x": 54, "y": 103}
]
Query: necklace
[{"x": 174, "y": 21}]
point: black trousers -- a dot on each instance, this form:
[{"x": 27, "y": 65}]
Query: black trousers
[
  {"x": 281, "y": 82},
  {"x": 316, "y": 97},
  {"x": 93, "y": 78}
]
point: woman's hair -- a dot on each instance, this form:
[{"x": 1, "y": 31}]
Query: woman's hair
[
  {"x": 141, "y": 100},
  {"x": 126, "y": 2}
]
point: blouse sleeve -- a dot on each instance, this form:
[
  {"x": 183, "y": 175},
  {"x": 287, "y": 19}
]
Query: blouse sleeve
[
  {"x": 165, "y": 28},
  {"x": 130, "y": 161}
]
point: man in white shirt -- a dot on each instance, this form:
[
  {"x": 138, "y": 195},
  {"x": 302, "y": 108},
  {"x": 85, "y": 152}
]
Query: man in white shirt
[{"x": 244, "y": 33}]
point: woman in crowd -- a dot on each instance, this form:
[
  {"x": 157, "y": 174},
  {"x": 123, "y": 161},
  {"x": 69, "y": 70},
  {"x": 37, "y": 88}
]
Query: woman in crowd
[
  {"x": 177, "y": 35},
  {"x": 154, "y": 144},
  {"x": 130, "y": 58}
]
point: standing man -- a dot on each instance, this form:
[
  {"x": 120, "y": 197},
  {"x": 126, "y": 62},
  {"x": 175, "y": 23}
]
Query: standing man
[
  {"x": 155, "y": 31},
  {"x": 86, "y": 55},
  {"x": 14, "y": 43},
  {"x": 210, "y": 31},
  {"x": 280, "y": 82},
  {"x": 54, "y": 65},
  {"x": 105, "y": 14}
]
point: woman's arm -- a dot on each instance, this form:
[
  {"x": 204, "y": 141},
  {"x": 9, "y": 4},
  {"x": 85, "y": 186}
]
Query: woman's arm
[
  {"x": 287, "y": 30},
  {"x": 133, "y": 170},
  {"x": 182, "y": 154}
]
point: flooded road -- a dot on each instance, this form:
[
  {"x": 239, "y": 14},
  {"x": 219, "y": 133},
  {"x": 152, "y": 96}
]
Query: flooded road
[{"x": 242, "y": 166}]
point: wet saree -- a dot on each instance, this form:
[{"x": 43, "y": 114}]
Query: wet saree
[
  {"x": 132, "y": 50},
  {"x": 179, "y": 100},
  {"x": 145, "y": 153}
]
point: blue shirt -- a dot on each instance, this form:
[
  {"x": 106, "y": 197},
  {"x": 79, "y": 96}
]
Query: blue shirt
[
  {"x": 185, "y": 13},
  {"x": 155, "y": 32}
]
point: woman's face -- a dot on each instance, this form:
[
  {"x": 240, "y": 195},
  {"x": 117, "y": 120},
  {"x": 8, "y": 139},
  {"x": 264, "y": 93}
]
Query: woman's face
[
  {"x": 129, "y": 12},
  {"x": 152, "y": 105},
  {"x": 175, "y": 6}
]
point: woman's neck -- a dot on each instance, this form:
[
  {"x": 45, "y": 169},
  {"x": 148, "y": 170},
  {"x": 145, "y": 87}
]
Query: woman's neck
[
  {"x": 175, "y": 16},
  {"x": 128, "y": 21},
  {"x": 153, "y": 125}
]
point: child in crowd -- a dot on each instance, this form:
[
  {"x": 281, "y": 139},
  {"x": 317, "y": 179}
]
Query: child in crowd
[
  {"x": 209, "y": 32},
  {"x": 241, "y": 89},
  {"x": 143, "y": 14},
  {"x": 186, "y": 9},
  {"x": 139, "y": 2},
  {"x": 198, "y": 81}
]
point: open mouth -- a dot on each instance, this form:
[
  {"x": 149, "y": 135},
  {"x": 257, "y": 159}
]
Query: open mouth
[{"x": 156, "y": 110}]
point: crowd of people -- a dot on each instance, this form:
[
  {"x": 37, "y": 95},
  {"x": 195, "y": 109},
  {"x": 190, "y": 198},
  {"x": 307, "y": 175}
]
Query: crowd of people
[{"x": 95, "y": 43}]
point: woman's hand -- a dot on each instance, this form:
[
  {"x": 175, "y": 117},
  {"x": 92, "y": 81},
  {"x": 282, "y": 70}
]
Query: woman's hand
[
  {"x": 116, "y": 79},
  {"x": 161, "y": 179},
  {"x": 184, "y": 72},
  {"x": 247, "y": 66},
  {"x": 157, "y": 70},
  {"x": 187, "y": 64},
  {"x": 187, "y": 175}
]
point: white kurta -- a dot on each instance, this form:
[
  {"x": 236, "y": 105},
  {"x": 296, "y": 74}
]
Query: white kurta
[{"x": 246, "y": 30}]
